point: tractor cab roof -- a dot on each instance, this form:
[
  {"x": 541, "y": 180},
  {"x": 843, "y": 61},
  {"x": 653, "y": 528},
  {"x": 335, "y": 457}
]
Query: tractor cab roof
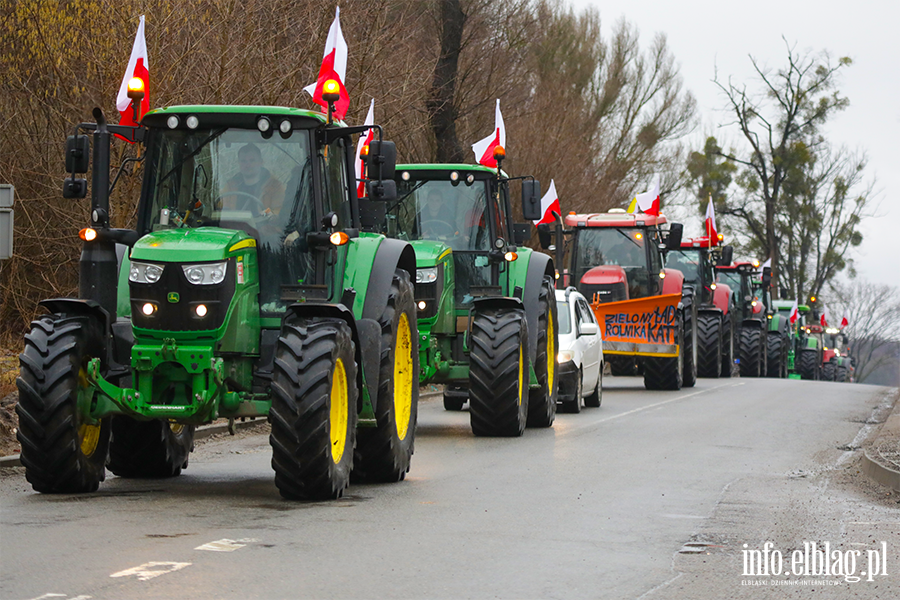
[
  {"x": 243, "y": 117},
  {"x": 743, "y": 266},
  {"x": 699, "y": 242},
  {"x": 616, "y": 217},
  {"x": 438, "y": 170}
]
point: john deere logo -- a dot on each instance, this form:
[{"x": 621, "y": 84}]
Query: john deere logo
[{"x": 173, "y": 297}]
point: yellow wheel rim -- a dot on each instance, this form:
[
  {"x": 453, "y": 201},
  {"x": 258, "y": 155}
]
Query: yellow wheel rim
[
  {"x": 338, "y": 414},
  {"x": 88, "y": 435},
  {"x": 521, "y": 375},
  {"x": 551, "y": 354},
  {"x": 403, "y": 377}
]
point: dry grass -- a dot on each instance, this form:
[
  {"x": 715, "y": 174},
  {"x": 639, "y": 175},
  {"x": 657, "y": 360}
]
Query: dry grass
[{"x": 9, "y": 369}]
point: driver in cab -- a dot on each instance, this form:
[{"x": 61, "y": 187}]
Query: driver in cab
[
  {"x": 436, "y": 217},
  {"x": 253, "y": 188}
]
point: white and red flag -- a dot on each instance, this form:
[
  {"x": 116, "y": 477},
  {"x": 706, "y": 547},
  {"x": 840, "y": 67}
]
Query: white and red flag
[
  {"x": 364, "y": 140},
  {"x": 710, "y": 223},
  {"x": 334, "y": 66},
  {"x": 484, "y": 150},
  {"x": 648, "y": 202},
  {"x": 823, "y": 320},
  {"x": 845, "y": 320},
  {"x": 138, "y": 66},
  {"x": 795, "y": 313},
  {"x": 549, "y": 205}
]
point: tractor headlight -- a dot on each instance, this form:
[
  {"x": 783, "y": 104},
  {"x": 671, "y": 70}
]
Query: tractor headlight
[
  {"x": 428, "y": 275},
  {"x": 208, "y": 274},
  {"x": 145, "y": 272}
]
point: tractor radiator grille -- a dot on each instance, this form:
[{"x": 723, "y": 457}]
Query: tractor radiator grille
[{"x": 611, "y": 292}]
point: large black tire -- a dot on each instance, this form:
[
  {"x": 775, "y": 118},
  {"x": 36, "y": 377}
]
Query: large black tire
[
  {"x": 623, "y": 366},
  {"x": 729, "y": 368},
  {"x": 542, "y": 401},
  {"x": 313, "y": 414},
  {"x": 61, "y": 452},
  {"x": 666, "y": 373},
  {"x": 149, "y": 448},
  {"x": 807, "y": 364},
  {"x": 828, "y": 371},
  {"x": 498, "y": 372},
  {"x": 753, "y": 351},
  {"x": 455, "y": 397},
  {"x": 776, "y": 359},
  {"x": 709, "y": 345},
  {"x": 840, "y": 374},
  {"x": 689, "y": 376},
  {"x": 383, "y": 453},
  {"x": 594, "y": 399}
]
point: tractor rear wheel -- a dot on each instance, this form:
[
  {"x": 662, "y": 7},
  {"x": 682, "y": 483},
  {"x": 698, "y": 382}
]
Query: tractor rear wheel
[
  {"x": 807, "y": 364},
  {"x": 149, "y": 448},
  {"x": 62, "y": 452},
  {"x": 841, "y": 374},
  {"x": 498, "y": 372},
  {"x": 777, "y": 355},
  {"x": 383, "y": 453},
  {"x": 752, "y": 352},
  {"x": 313, "y": 412},
  {"x": 709, "y": 345},
  {"x": 594, "y": 400},
  {"x": 666, "y": 373},
  {"x": 542, "y": 401},
  {"x": 689, "y": 377}
]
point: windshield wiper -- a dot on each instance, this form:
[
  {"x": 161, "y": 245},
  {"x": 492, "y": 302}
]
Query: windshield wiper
[{"x": 407, "y": 195}]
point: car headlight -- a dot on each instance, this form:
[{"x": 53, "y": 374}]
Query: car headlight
[
  {"x": 145, "y": 272},
  {"x": 208, "y": 274},
  {"x": 565, "y": 356},
  {"x": 428, "y": 275}
]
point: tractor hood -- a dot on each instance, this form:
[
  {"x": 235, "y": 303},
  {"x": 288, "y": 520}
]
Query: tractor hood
[
  {"x": 604, "y": 275},
  {"x": 187, "y": 245},
  {"x": 429, "y": 253}
]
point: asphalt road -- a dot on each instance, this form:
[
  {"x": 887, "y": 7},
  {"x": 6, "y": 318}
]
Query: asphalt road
[{"x": 601, "y": 505}]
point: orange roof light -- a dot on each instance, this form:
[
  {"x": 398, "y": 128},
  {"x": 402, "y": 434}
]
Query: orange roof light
[
  {"x": 499, "y": 152},
  {"x": 331, "y": 91},
  {"x": 136, "y": 88}
]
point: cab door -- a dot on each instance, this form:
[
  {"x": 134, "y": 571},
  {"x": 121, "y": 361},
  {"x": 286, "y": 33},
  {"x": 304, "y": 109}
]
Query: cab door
[{"x": 590, "y": 344}]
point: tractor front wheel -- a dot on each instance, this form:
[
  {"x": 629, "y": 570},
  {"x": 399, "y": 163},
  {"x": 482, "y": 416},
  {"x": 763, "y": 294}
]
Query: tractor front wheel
[
  {"x": 383, "y": 453},
  {"x": 752, "y": 352},
  {"x": 62, "y": 450},
  {"x": 777, "y": 355},
  {"x": 808, "y": 364},
  {"x": 498, "y": 372},
  {"x": 149, "y": 448},
  {"x": 542, "y": 401},
  {"x": 313, "y": 412},
  {"x": 709, "y": 345},
  {"x": 729, "y": 368},
  {"x": 665, "y": 373}
]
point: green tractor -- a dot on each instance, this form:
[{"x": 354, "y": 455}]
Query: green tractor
[
  {"x": 247, "y": 290},
  {"x": 796, "y": 333},
  {"x": 486, "y": 304}
]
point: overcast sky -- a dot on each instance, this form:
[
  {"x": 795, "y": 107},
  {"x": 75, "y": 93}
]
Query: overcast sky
[{"x": 704, "y": 36}]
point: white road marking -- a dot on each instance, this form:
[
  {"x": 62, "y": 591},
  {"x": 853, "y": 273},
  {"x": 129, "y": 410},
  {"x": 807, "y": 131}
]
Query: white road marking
[
  {"x": 53, "y": 595},
  {"x": 151, "y": 569},
  {"x": 224, "y": 545},
  {"x": 648, "y": 407}
]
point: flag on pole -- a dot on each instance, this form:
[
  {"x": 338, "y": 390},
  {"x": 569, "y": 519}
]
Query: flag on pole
[
  {"x": 648, "y": 202},
  {"x": 334, "y": 66},
  {"x": 711, "y": 230},
  {"x": 484, "y": 149},
  {"x": 364, "y": 140},
  {"x": 795, "y": 313},
  {"x": 845, "y": 320},
  {"x": 823, "y": 320},
  {"x": 138, "y": 66},
  {"x": 549, "y": 205},
  {"x": 632, "y": 206}
]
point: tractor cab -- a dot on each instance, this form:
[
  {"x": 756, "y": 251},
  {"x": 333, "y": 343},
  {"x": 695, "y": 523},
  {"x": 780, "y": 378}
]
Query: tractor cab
[{"x": 697, "y": 260}]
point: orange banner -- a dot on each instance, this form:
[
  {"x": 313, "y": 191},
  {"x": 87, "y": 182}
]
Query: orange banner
[{"x": 646, "y": 326}]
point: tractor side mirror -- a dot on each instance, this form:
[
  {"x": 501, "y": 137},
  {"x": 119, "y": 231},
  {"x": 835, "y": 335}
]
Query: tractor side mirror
[
  {"x": 766, "y": 277},
  {"x": 531, "y": 199},
  {"x": 544, "y": 235},
  {"x": 381, "y": 153},
  {"x": 73, "y": 187},
  {"x": 673, "y": 242},
  {"x": 78, "y": 154},
  {"x": 381, "y": 191},
  {"x": 521, "y": 233},
  {"x": 727, "y": 256}
]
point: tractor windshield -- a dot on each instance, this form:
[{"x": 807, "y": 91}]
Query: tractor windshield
[
  {"x": 439, "y": 210},
  {"x": 732, "y": 279},
  {"x": 618, "y": 246},
  {"x": 238, "y": 179},
  {"x": 686, "y": 262}
]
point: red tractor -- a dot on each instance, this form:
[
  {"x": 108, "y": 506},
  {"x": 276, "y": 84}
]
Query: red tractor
[
  {"x": 646, "y": 312},
  {"x": 717, "y": 334}
]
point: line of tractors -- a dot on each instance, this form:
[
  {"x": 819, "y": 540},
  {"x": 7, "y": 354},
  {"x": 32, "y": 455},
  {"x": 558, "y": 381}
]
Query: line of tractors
[{"x": 259, "y": 283}]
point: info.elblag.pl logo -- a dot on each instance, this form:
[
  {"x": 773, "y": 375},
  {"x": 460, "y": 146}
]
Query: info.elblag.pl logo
[{"x": 815, "y": 560}]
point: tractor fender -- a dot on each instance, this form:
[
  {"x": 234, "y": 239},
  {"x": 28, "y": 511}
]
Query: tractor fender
[
  {"x": 391, "y": 255},
  {"x": 539, "y": 266},
  {"x": 79, "y": 307},
  {"x": 779, "y": 323},
  {"x": 751, "y": 323},
  {"x": 366, "y": 335},
  {"x": 492, "y": 303},
  {"x": 673, "y": 282},
  {"x": 710, "y": 310},
  {"x": 722, "y": 298}
]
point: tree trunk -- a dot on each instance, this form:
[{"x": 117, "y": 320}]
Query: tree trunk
[{"x": 440, "y": 104}]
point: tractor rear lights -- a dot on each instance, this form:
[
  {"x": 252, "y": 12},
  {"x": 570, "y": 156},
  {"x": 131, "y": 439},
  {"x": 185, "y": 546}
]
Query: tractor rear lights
[
  {"x": 192, "y": 122},
  {"x": 339, "y": 238},
  {"x": 148, "y": 309},
  {"x": 88, "y": 234},
  {"x": 263, "y": 124},
  {"x": 427, "y": 275},
  {"x": 144, "y": 272},
  {"x": 172, "y": 122},
  {"x": 208, "y": 274}
]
